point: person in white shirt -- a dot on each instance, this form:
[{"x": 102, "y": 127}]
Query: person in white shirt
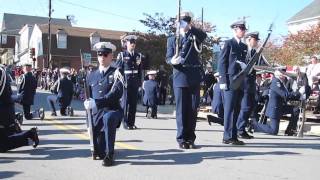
[{"x": 313, "y": 72}]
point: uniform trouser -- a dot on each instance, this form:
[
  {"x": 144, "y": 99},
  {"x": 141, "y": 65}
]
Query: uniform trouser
[
  {"x": 13, "y": 141},
  {"x": 187, "y": 102},
  {"x": 232, "y": 101},
  {"x": 111, "y": 120},
  {"x": 130, "y": 104},
  {"x": 247, "y": 103},
  {"x": 163, "y": 95},
  {"x": 154, "y": 110},
  {"x": 294, "y": 111},
  {"x": 273, "y": 127},
  {"x": 51, "y": 99},
  {"x": 26, "y": 111}
]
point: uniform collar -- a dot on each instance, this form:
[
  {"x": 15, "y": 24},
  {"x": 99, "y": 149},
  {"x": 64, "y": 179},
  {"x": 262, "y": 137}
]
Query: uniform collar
[
  {"x": 130, "y": 52},
  {"x": 237, "y": 39},
  {"x": 103, "y": 69}
]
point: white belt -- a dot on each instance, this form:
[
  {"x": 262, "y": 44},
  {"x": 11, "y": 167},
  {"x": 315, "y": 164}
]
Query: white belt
[{"x": 131, "y": 71}]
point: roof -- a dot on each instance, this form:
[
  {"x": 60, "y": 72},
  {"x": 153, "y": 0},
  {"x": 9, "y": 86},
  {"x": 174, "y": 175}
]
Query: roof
[
  {"x": 12, "y": 23},
  {"x": 309, "y": 12},
  {"x": 83, "y": 32}
]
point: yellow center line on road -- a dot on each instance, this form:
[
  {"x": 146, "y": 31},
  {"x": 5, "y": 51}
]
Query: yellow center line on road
[{"x": 82, "y": 135}]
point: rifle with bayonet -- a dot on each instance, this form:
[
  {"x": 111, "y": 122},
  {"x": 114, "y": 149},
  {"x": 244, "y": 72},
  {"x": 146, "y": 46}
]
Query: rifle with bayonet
[
  {"x": 89, "y": 117},
  {"x": 239, "y": 78},
  {"x": 178, "y": 30}
]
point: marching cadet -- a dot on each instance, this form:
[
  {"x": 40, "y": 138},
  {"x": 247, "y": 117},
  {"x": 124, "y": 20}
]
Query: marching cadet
[
  {"x": 63, "y": 90},
  {"x": 249, "y": 87},
  {"x": 151, "y": 94},
  {"x": 106, "y": 87},
  {"x": 27, "y": 85},
  {"x": 9, "y": 137},
  {"x": 217, "y": 103},
  {"x": 186, "y": 78},
  {"x": 130, "y": 63},
  {"x": 277, "y": 105},
  {"x": 230, "y": 63}
]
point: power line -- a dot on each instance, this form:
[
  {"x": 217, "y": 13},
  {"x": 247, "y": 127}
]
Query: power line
[{"x": 98, "y": 10}]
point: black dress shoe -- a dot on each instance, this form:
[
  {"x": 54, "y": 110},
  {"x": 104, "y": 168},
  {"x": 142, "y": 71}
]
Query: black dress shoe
[
  {"x": 213, "y": 119},
  {"x": 238, "y": 142},
  {"x": 183, "y": 145},
  {"x": 34, "y": 137},
  {"x": 53, "y": 114},
  {"x": 290, "y": 133},
  {"x": 233, "y": 142},
  {"x": 192, "y": 145},
  {"x": 107, "y": 160},
  {"x": 245, "y": 135}
]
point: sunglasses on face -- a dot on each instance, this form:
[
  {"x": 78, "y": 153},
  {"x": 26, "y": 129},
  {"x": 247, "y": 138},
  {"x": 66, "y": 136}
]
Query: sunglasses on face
[
  {"x": 132, "y": 41},
  {"x": 103, "y": 54},
  {"x": 242, "y": 28}
]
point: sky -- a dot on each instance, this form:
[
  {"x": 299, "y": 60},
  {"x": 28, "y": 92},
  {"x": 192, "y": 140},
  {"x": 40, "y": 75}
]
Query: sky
[{"x": 124, "y": 14}]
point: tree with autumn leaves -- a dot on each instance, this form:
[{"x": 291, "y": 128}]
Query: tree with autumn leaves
[{"x": 295, "y": 47}]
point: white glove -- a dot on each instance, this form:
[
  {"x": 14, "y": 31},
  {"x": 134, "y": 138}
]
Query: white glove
[
  {"x": 302, "y": 90},
  {"x": 277, "y": 73},
  {"x": 223, "y": 86},
  {"x": 242, "y": 64},
  {"x": 176, "y": 60},
  {"x": 90, "y": 104}
]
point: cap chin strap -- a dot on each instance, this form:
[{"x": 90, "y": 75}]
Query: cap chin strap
[{"x": 3, "y": 81}]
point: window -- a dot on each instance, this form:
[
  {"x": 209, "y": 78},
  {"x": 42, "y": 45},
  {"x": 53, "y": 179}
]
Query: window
[
  {"x": 61, "y": 39},
  {"x": 94, "y": 38},
  {"x": 3, "y": 39}
]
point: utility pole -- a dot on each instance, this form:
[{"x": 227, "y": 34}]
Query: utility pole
[{"x": 49, "y": 60}]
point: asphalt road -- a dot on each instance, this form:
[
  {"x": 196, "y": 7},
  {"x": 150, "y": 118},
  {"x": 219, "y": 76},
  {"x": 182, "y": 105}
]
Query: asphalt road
[{"x": 151, "y": 152}]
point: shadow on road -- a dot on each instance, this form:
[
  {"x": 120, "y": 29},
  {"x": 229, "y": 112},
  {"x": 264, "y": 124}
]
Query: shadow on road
[
  {"x": 47, "y": 124},
  {"x": 166, "y": 129},
  {"x": 8, "y": 174},
  {"x": 176, "y": 157},
  {"x": 50, "y": 153}
]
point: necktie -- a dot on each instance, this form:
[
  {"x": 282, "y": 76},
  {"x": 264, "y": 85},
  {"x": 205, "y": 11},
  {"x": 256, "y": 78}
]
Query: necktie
[{"x": 253, "y": 51}]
